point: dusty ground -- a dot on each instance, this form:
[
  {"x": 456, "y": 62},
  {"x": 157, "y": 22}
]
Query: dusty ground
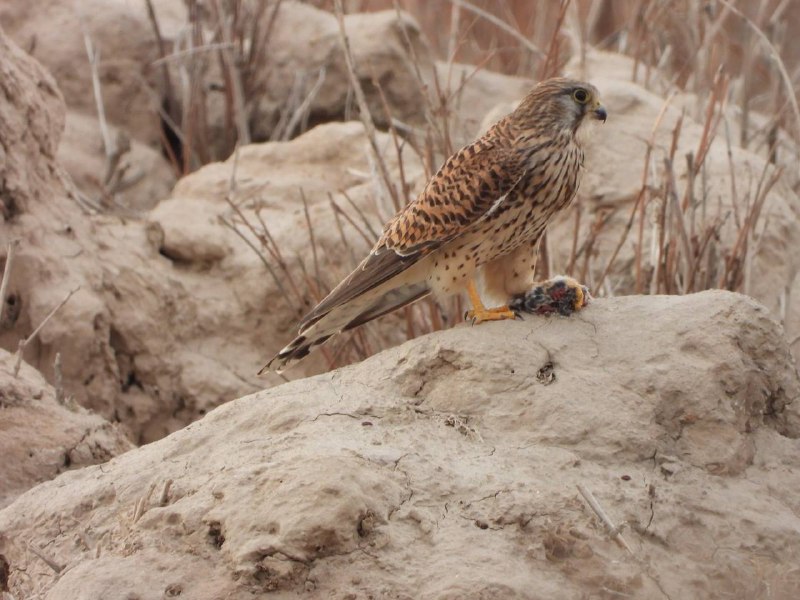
[
  {"x": 443, "y": 468},
  {"x": 43, "y": 434},
  {"x": 447, "y": 468}
]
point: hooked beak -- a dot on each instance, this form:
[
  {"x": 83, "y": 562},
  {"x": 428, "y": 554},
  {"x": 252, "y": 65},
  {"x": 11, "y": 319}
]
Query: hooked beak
[{"x": 600, "y": 113}]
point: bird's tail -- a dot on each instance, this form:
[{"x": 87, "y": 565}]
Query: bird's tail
[{"x": 343, "y": 318}]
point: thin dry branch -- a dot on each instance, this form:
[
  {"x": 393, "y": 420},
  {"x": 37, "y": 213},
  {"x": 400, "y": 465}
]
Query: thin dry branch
[
  {"x": 24, "y": 342},
  {"x": 266, "y": 240},
  {"x": 234, "y": 76},
  {"x": 500, "y": 24},
  {"x": 550, "y": 65},
  {"x": 672, "y": 194},
  {"x": 94, "y": 59},
  {"x": 58, "y": 379},
  {"x": 194, "y": 50},
  {"x": 338, "y": 210},
  {"x": 312, "y": 240},
  {"x": 776, "y": 59},
  {"x": 141, "y": 504},
  {"x": 638, "y": 205},
  {"x": 363, "y": 107},
  {"x": 163, "y": 498},
  {"x": 612, "y": 529},
  {"x": 57, "y": 568},
  {"x": 300, "y": 114},
  {"x": 169, "y": 93}
]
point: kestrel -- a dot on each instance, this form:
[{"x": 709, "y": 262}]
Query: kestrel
[{"x": 482, "y": 213}]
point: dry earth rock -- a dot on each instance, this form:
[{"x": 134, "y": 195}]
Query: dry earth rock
[
  {"x": 174, "y": 314},
  {"x": 302, "y": 64},
  {"x": 41, "y": 435},
  {"x": 447, "y": 468},
  {"x": 55, "y": 31},
  {"x": 306, "y": 61}
]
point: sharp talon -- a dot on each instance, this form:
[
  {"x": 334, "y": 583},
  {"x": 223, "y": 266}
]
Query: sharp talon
[
  {"x": 500, "y": 313},
  {"x": 479, "y": 313}
]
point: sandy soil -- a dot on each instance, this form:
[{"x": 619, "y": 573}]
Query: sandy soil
[{"x": 447, "y": 468}]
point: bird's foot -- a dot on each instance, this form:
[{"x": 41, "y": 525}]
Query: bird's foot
[
  {"x": 498, "y": 313},
  {"x": 561, "y": 294}
]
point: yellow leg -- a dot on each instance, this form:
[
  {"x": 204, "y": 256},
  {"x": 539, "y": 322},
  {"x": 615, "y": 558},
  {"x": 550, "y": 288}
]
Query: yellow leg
[{"x": 480, "y": 313}]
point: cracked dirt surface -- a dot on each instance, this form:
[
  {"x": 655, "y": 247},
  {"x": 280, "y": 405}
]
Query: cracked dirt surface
[
  {"x": 41, "y": 436},
  {"x": 364, "y": 483}
]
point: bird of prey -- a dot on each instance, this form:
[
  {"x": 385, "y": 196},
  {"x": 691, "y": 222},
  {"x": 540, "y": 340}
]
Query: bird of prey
[{"x": 482, "y": 213}]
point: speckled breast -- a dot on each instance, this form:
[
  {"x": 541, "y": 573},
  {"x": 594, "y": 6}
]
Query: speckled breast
[{"x": 519, "y": 219}]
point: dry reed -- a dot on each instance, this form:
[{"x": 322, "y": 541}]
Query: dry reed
[{"x": 675, "y": 238}]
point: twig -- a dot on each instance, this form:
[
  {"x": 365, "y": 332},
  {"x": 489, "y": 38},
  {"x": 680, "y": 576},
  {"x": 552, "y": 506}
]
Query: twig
[
  {"x": 94, "y": 59},
  {"x": 640, "y": 199},
  {"x": 59, "y": 379},
  {"x": 672, "y": 194},
  {"x": 11, "y": 250},
  {"x": 139, "y": 509},
  {"x": 776, "y": 58},
  {"x": 235, "y": 77},
  {"x": 500, "y": 24},
  {"x": 48, "y": 561},
  {"x": 114, "y": 180},
  {"x": 266, "y": 240},
  {"x": 338, "y": 210},
  {"x": 363, "y": 107},
  {"x": 550, "y": 65},
  {"x": 232, "y": 182},
  {"x": 301, "y": 112},
  {"x": 575, "y": 233},
  {"x": 312, "y": 240},
  {"x": 98, "y": 549},
  {"x": 452, "y": 42},
  {"x": 162, "y": 51},
  {"x": 370, "y": 229},
  {"x": 399, "y": 202},
  {"x": 114, "y": 169},
  {"x": 612, "y": 529},
  {"x": 209, "y": 47},
  {"x": 23, "y": 343},
  {"x": 164, "y": 497},
  {"x": 258, "y": 43}
]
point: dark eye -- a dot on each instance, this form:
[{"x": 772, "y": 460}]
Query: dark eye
[{"x": 581, "y": 96}]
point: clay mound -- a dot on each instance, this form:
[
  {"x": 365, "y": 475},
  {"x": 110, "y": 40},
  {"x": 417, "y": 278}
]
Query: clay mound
[
  {"x": 41, "y": 435},
  {"x": 447, "y": 468},
  {"x": 306, "y": 60}
]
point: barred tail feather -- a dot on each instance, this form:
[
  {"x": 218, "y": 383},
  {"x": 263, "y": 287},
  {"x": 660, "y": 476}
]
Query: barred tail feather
[{"x": 343, "y": 318}]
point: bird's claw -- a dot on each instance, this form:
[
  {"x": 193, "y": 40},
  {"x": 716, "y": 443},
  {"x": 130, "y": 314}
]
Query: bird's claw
[{"x": 499, "y": 313}]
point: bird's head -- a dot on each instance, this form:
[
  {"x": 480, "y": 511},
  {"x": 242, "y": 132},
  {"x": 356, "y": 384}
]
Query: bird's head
[{"x": 561, "y": 105}]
